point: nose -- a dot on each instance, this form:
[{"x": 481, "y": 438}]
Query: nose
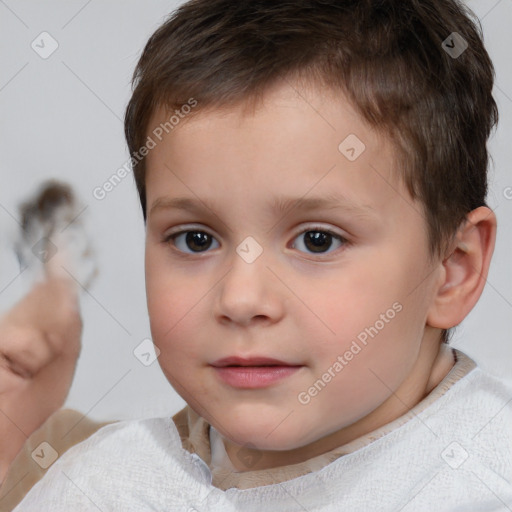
[{"x": 249, "y": 293}]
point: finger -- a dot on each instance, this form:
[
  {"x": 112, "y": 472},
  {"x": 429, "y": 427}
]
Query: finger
[
  {"x": 25, "y": 351},
  {"x": 51, "y": 306}
]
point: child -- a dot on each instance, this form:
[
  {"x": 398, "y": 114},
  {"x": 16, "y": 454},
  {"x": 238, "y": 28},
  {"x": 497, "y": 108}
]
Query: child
[{"x": 312, "y": 176}]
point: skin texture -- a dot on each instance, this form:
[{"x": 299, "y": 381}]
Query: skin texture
[{"x": 292, "y": 303}]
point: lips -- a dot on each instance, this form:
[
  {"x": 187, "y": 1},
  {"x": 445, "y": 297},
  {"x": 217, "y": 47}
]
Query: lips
[
  {"x": 249, "y": 361},
  {"x": 253, "y": 372}
]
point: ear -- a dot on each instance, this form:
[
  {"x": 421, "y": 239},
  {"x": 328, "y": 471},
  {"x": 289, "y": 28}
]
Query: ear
[{"x": 464, "y": 272}]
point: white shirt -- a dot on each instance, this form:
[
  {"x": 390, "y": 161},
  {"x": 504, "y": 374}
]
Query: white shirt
[{"x": 455, "y": 455}]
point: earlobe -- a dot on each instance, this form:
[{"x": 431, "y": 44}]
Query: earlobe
[{"x": 465, "y": 270}]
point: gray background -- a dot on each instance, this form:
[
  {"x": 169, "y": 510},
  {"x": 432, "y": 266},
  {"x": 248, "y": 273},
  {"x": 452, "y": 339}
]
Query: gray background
[{"x": 62, "y": 118}]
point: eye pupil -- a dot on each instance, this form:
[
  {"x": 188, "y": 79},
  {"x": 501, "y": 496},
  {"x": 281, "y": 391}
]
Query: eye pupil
[
  {"x": 318, "y": 240},
  {"x": 199, "y": 239}
]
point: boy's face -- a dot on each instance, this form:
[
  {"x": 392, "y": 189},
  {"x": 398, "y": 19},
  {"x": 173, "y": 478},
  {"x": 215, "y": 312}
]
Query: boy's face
[{"x": 349, "y": 308}]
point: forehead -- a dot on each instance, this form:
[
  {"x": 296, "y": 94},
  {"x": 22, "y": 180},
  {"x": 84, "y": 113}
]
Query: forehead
[{"x": 294, "y": 143}]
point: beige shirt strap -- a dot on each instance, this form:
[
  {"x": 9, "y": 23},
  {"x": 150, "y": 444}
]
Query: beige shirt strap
[{"x": 194, "y": 432}]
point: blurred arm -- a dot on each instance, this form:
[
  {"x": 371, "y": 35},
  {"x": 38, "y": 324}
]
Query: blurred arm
[{"x": 40, "y": 341}]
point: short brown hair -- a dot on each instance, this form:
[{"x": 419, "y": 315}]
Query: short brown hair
[{"x": 386, "y": 56}]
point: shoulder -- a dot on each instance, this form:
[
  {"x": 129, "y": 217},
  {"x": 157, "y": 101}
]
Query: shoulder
[
  {"x": 485, "y": 387},
  {"x": 62, "y": 430},
  {"x": 143, "y": 438},
  {"x": 474, "y": 420},
  {"x": 475, "y": 397},
  {"x": 488, "y": 399},
  {"x": 119, "y": 467}
]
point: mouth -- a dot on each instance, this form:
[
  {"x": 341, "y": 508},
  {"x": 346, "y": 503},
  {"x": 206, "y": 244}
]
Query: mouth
[
  {"x": 253, "y": 372},
  {"x": 253, "y": 361}
]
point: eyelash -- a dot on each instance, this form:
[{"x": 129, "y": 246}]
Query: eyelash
[{"x": 171, "y": 237}]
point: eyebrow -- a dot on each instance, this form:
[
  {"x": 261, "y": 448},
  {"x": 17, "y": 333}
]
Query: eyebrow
[{"x": 278, "y": 205}]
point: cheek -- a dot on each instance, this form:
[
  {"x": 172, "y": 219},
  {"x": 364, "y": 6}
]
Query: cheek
[
  {"x": 173, "y": 323},
  {"x": 173, "y": 302},
  {"x": 371, "y": 319},
  {"x": 355, "y": 300}
]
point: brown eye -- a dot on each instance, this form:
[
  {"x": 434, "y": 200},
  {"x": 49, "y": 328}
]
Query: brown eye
[
  {"x": 319, "y": 241},
  {"x": 195, "y": 241}
]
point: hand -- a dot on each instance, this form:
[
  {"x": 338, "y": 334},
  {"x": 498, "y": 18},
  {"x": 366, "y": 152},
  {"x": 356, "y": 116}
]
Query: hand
[{"x": 40, "y": 341}]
